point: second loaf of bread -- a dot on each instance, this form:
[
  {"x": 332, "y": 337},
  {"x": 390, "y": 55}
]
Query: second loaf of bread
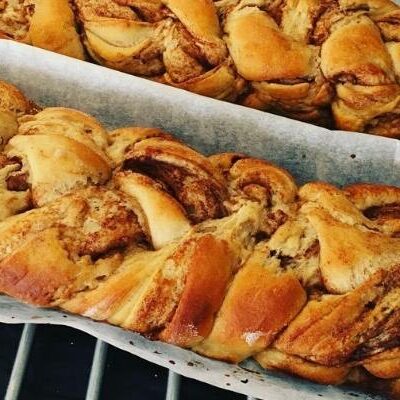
[{"x": 334, "y": 63}]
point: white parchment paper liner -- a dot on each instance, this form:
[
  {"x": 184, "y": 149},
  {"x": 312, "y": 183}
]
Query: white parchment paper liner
[{"x": 117, "y": 99}]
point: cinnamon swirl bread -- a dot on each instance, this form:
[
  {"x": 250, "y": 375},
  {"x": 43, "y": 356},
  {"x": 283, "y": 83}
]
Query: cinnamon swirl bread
[
  {"x": 334, "y": 63},
  {"x": 223, "y": 255}
]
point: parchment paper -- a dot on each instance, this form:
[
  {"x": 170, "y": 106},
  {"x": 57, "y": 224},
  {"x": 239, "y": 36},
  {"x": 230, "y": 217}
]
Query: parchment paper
[{"x": 117, "y": 99}]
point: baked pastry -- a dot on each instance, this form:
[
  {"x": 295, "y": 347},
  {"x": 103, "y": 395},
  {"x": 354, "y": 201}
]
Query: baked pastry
[
  {"x": 223, "y": 255},
  {"x": 13, "y": 104},
  {"x": 49, "y": 24},
  {"x": 334, "y": 63},
  {"x": 172, "y": 41}
]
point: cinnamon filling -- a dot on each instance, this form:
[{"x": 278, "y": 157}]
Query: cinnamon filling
[
  {"x": 201, "y": 198},
  {"x": 313, "y": 250},
  {"x": 326, "y": 16},
  {"x": 294, "y": 81},
  {"x": 17, "y": 182},
  {"x": 4, "y": 161},
  {"x": 289, "y": 261},
  {"x": 273, "y": 220},
  {"x": 387, "y": 211},
  {"x": 275, "y": 10}
]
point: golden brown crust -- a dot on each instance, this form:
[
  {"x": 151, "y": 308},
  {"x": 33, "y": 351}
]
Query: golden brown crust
[
  {"x": 79, "y": 167},
  {"x": 258, "y": 305},
  {"x": 14, "y": 101},
  {"x": 336, "y": 329},
  {"x": 361, "y": 108},
  {"x": 335, "y": 239},
  {"x": 119, "y": 44},
  {"x": 222, "y": 251},
  {"x": 209, "y": 270},
  {"x": 87, "y": 223},
  {"x": 258, "y": 48},
  {"x": 67, "y": 122},
  {"x": 246, "y": 173},
  {"x": 365, "y": 195},
  {"x": 276, "y": 360},
  {"x": 121, "y": 140},
  {"x": 348, "y": 254},
  {"x": 153, "y": 290},
  {"x": 305, "y": 101},
  {"x": 198, "y": 16},
  {"x": 254, "y": 179},
  {"x": 220, "y": 82},
  {"x": 169, "y": 41},
  {"x": 22, "y": 276},
  {"x": 384, "y": 365},
  {"x": 76, "y": 140},
  {"x": 283, "y": 70},
  {"x": 120, "y": 299},
  {"x": 165, "y": 217},
  {"x": 93, "y": 221},
  {"x": 49, "y": 24},
  {"x": 52, "y": 27},
  {"x": 343, "y": 60},
  {"x": 380, "y": 203}
]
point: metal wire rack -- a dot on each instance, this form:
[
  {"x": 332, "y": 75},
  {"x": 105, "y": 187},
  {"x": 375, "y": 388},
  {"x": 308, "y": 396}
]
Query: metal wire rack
[{"x": 97, "y": 371}]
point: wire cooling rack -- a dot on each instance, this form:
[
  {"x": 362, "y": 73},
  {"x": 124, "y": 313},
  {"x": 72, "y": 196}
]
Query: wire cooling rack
[{"x": 97, "y": 373}]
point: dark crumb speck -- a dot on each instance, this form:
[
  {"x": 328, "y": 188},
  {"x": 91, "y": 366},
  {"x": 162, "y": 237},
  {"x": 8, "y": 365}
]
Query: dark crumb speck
[
  {"x": 228, "y": 384},
  {"x": 353, "y": 156},
  {"x": 303, "y": 156},
  {"x": 65, "y": 316},
  {"x": 190, "y": 364},
  {"x": 354, "y": 394},
  {"x": 172, "y": 362},
  {"x": 131, "y": 343},
  {"x": 156, "y": 352},
  {"x": 227, "y": 375},
  {"x": 244, "y": 380}
]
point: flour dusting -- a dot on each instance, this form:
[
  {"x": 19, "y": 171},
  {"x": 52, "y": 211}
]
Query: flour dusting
[{"x": 252, "y": 337}]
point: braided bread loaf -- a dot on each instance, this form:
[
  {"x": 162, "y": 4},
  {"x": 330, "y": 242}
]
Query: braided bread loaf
[
  {"x": 335, "y": 63},
  {"x": 222, "y": 255}
]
